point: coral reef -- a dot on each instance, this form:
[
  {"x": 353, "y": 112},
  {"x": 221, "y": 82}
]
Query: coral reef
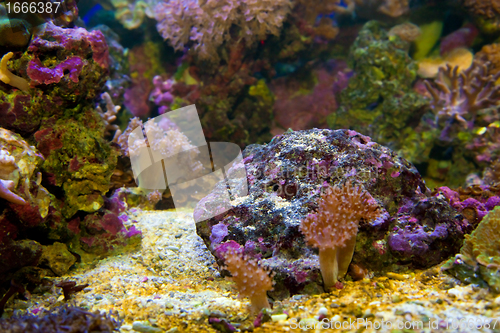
[
  {"x": 473, "y": 202},
  {"x": 132, "y": 14},
  {"x": 334, "y": 226},
  {"x": 285, "y": 179},
  {"x": 82, "y": 170},
  {"x": 144, "y": 62},
  {"x": 207, "y": 23},
  {"x": 58, "y": 258},
  {"x": 408, "y": 32}
]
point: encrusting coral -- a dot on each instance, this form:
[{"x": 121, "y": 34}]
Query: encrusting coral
[
  {"x": 252, "y": 281},
  {"x": 207, "y": 23},
  {"x": 7, "y": 77},
  {"x": 334, "y": 226},
  {"x": 459, "y": 96}
]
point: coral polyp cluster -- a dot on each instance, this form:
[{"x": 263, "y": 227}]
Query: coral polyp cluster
[
  {"x": 251, "y": 280},
  {"x": 333, "y": 227},
  {"x": 207, "y": 24}
]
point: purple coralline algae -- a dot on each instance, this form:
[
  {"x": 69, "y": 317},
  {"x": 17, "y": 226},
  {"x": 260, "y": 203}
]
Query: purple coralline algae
[
  {"x": 64, "y": 67},
  {"x": 473, "y": 203},
  {"x": 285, "y": 178}
]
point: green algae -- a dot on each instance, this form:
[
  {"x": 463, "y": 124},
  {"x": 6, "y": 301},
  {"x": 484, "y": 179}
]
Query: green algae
[
  {"x": 379, "y": 100},
  {"x": 479, "y": 258},
  {"x": 82, "y": 162}
]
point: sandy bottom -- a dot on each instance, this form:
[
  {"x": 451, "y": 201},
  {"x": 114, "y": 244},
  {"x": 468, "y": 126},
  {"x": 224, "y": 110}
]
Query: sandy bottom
[{"x": 169, "y": 283}]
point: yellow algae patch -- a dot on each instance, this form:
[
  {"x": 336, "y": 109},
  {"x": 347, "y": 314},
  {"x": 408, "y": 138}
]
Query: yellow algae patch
[{"x": 429, "y": 67}]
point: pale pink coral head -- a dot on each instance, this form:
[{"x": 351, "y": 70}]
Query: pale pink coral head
[
  {"x": 339, "y": 212},
  {"x": 251, "y": 280}
]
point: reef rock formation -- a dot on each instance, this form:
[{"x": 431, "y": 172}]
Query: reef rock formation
[{"x": 285, "y": 179}]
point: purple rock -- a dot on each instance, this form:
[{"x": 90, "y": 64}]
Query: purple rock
[
  {"x": 40, "y": 74},
  {"x": 219, "y": 231},
  {"x": 415, "y": 228}
]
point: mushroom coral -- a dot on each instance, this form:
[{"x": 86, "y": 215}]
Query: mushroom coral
[
  {"x": 251, "y": 280},
  {"x": 333, "y": 227}
]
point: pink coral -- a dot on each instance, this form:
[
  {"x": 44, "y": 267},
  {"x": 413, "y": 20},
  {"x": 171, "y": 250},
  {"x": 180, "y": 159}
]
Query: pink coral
[
  {"x": 252, "y": 280},
  {"x": 207, "y": 23},
  {"x": 334, "y": 226}
]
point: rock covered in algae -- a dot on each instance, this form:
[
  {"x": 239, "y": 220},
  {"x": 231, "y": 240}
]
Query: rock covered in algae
[
  {"x": 285, "y": 178},
  {"x": 379, "y": 99},
  {"x": 479, "y": 258},
  {"x": 58, "y": 258},
  {"x": 66, "y": 68},
  {"x": 78, "y": 159}
]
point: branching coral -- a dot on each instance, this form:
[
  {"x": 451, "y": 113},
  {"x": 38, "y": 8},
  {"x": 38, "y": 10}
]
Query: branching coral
[
  {"x": 333, "y": 227},
  {"x": 252, "y": 280},
  {"x": 109, "y": 116},
  {"x": 7, "y": 77},
  {"x": 459, "y": 96},
  {"x": 207, "y": 23}
]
